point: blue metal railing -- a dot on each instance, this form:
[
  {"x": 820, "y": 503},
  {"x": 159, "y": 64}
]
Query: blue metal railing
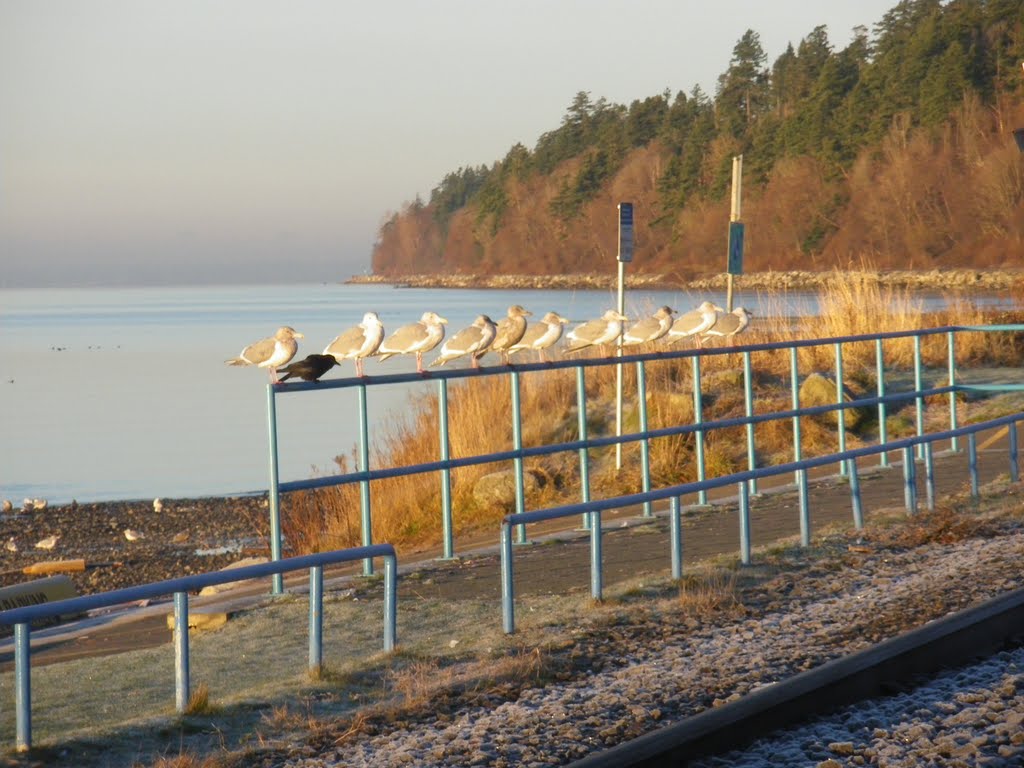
[
  {"x": 20, "y": 618},
  {"x": 882, "y": 399},
  {"x": 741, "y": 481}
]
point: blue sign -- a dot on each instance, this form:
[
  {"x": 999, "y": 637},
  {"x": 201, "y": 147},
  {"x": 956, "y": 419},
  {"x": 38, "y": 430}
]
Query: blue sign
[
  {"x": 625, "y": 232},
  {"x": 735, "y": 248}
]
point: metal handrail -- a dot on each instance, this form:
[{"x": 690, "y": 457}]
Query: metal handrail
[{"x": 20, "y": 618}]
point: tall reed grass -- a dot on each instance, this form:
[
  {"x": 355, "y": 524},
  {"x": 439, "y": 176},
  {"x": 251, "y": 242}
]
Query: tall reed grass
[{"x": 407, "y": 510}]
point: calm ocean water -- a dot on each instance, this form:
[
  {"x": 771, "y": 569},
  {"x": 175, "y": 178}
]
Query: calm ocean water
[{"x": 123, "y": 393}]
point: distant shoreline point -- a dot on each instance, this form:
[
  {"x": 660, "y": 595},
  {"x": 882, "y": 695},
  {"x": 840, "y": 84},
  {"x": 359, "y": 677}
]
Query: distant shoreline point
[{"x": 932, "y": 279}]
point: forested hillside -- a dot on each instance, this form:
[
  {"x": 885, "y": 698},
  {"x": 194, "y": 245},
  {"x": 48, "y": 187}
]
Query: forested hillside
[{"x": 897, "y": 149}]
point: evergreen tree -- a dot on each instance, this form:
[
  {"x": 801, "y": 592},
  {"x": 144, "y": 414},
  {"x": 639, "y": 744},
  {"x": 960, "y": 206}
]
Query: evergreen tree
[{"x": 743, "y": 90}]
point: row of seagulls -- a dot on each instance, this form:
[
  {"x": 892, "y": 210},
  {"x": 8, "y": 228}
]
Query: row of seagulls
[{"x": 595, "y": 333}]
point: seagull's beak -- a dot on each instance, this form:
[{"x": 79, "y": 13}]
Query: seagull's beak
[
  {"x": 299, "y": 335},
  {"x": 442, "y": 320}
]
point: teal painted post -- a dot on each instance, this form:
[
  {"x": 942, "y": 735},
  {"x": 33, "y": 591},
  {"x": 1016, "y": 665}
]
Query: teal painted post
[
  {"x": 274, "y": 502},
  {"x": 855, "y": 498},
  {"x": 316, "y": 620},
  {"x": 972, "y": 464},
  {"x": 1014, "y": 467},
  {"x": 446, "y": 473},
  {"x": 645, "y": 446},
  {"x": 702, "y": 495},
  {"x": 883, "y": 429},
  {"x": 840, "y": 414},
  {"x": 596, "y": 559},
  {"x": 517, "y": 462},
  {"x": 909, "y": 481},
  {"x": 22, "y": 687},
  {"x": 390, "y": 602},
  {"x": 676, "y": 537},
  {"x": 748, "y": 409},
  {"x": 801, "y": 474},
  {"x": 744, "y": 512},
  {"x": 954, "y": 441},
  {"x": 929, "y": 477},
  {"x": 508, "y": 609},
  {"x": 581, "y": 420},
  {"x": 182, "y": 685},
  {"x": 918, "y": 401},
  {"x": 364, "y": 485}
]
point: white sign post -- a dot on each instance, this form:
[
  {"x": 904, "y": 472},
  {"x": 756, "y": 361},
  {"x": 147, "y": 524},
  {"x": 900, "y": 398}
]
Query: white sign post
[{"x": 625, "y": 254}]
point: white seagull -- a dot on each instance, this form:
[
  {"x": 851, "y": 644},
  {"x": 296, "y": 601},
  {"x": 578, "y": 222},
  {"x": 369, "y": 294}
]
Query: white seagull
[
  {"x": 594, "y": 333},
  {"x": 694, "y": 323},
  {"x": 11, "y": 545},
  {"x": 8, "y": 506},
  {"x": 542, "y": 334},
  {"x": 48, "y": 543},
  {"x": 730, "y": 324},
  {"x": 414, "y": 339},
  {"x": 133, "y": 535},
  {"x": 472, "y": 340},
  {"x": 649, "y": 328},
  {"x": 158, "y": 505},
  {"x": 270, "y": 353},
  {"x": 510, "y": 331},
  {"x": 358, "y": 342}
]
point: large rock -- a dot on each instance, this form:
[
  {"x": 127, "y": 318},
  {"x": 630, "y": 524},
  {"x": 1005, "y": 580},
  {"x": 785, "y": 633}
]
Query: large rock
[
  {"x": 498, "y": 489},
  {"x": 819, "y": 389}
]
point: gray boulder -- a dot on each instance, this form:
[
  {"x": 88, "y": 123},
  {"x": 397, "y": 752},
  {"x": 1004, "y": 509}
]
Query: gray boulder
[
  {"x": 820, "y": 389},
  {"x": 498, "y": 489}
]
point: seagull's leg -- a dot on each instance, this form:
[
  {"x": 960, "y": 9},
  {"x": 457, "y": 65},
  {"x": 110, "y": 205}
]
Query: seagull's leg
[
  {"x": 359, "y": 366},
  {"x": 419, "y": 362}
]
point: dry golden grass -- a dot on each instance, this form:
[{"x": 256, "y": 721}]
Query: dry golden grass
[
  {"x": 709, "y": 589},
  {"x": 406, "y": 511}
]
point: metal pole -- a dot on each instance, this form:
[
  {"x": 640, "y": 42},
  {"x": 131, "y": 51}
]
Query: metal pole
[
  {"x": 596, "y": 585},
  {"x": 909, "y": 481},
  {"x": 702, "y": 494},
  {"x": 645, "y": 447},
  {"x": 181, "y": 672},
  {"x": 744, "y": 511},
  {"x": 446, "y": 473},
  {"x": 277, "y": 580},
  {"x": 316, "y": 620},
  {"x": 883, "y": 429},
  {"x": 840, "y": 414},
  {"x": 364, "y": 485},
  {"x": 748, "y": 404},
  {"x": 929, "y": 477},
  {"x": 954, "y": 442},
  {"x": 855, "y": 499},
  {"x": 618, "y": 368},
  {"x": 508, "y": 617},
  {"x": 517, "y": 462},
  {"x": 390, "y": 602},
  {"x": 794, "y": 392},
  {"x": 22, "y": 687},
  {"x": 919, "y": 401},
  {"x": 676, "y": 538},
  {"x": 1014, "y": 467},
  {"x": 972, "y": 464},
  {"x": 581, "y": 415}
]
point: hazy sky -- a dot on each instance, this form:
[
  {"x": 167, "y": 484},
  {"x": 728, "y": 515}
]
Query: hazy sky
[{"x": 203, "y": 141}]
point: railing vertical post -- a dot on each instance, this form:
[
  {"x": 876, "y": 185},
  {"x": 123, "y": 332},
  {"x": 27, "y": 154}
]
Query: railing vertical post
[
  {"x": 1014, "y": 468},
  {"x": 645, "y": 447},
  {"x": 181, "y": 671},
  {"x": 517, "y": 445},
  {"x": 508, "y": 611},
  {"x": 748, "y": 409},
  {"x": 364, "y": 485},
  {"x": 883, "y": 429},
  {"x": 855, "y": 498},
  {"x": 929, "y": 477},
  {"x": 316, "y": 620},
  {"x": 954, "y": 441},
  {"x": 972, "y": 463},
  {"x": 702, "y": 495},
  {"x": 274, "y": 502},
  {"x": 744, "y": 512},
  {"x": 446, "y": 473},
  {"x": 581, "y": 420},
  {"x": 909, "y": 480},
  {"x": 22, "y": 687},
  {"x": 801, "y": 474},
  {"x": 390, "y": 602},
  {"x": 841, "y": 413},
  {"x": 676, "y": 537},
  {"x": 918, "y": 401},
  {"x": 596, "y": 559}
]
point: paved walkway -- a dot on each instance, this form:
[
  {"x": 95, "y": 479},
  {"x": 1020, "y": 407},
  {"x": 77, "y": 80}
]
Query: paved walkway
[{"x": 633, "y": 546}]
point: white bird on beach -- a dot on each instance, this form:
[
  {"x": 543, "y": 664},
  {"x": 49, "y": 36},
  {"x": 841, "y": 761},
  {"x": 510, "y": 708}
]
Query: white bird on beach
[
  {"x": 472, "y": 340},
  {"x": 270, "y": 353},
  {"x": 8, "y": 506},
  {"x": 694, "y": 323},
  {"x": 48, "y": 543},
  {"x": 158, "y": 505},
  {"x": 133, "y": 535},
  {"x": 595, "y": 333},
  {"x": 510, "y": 331},
  {"x": 542, "y": 334},
  {"x": 730, "y": 324},
  {"x": 11, "y": 545},
  {"x": 39, "y": 504},
  {"x": 414, "y": 339},
  {"x": 649, "y": 328},
  {"x": 358, "y": 342}
]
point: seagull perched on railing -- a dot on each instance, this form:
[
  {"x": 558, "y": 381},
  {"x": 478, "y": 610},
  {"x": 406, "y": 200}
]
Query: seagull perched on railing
[
  {"x": 414, "y": 339},
  {"x": 594, "y": 333},
  {"x": 730, "y": 324},
  {"x": 542, "y": 334},
  {"x": 510, "y": 331},
  {"x": 473, "y": 340},
  {"x": 694, "y": 323},
  {"x": 358, "y": 342},
  {"x": 649, "y": 328},
  {"x": 270, "y": 353}
]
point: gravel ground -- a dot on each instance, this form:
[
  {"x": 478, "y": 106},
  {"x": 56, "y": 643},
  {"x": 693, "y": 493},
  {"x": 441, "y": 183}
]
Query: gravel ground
[{"x": 629, "y": 671}]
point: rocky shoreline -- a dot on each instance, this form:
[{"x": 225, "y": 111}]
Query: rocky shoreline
[{"x": 929, "y": 280}]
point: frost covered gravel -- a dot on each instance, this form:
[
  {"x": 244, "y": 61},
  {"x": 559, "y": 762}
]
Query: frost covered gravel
[{"x": 653, "y": 663}]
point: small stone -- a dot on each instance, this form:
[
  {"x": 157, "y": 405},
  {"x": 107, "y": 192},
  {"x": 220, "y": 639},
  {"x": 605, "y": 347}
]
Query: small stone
[{"x": 841, "y": 747}]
